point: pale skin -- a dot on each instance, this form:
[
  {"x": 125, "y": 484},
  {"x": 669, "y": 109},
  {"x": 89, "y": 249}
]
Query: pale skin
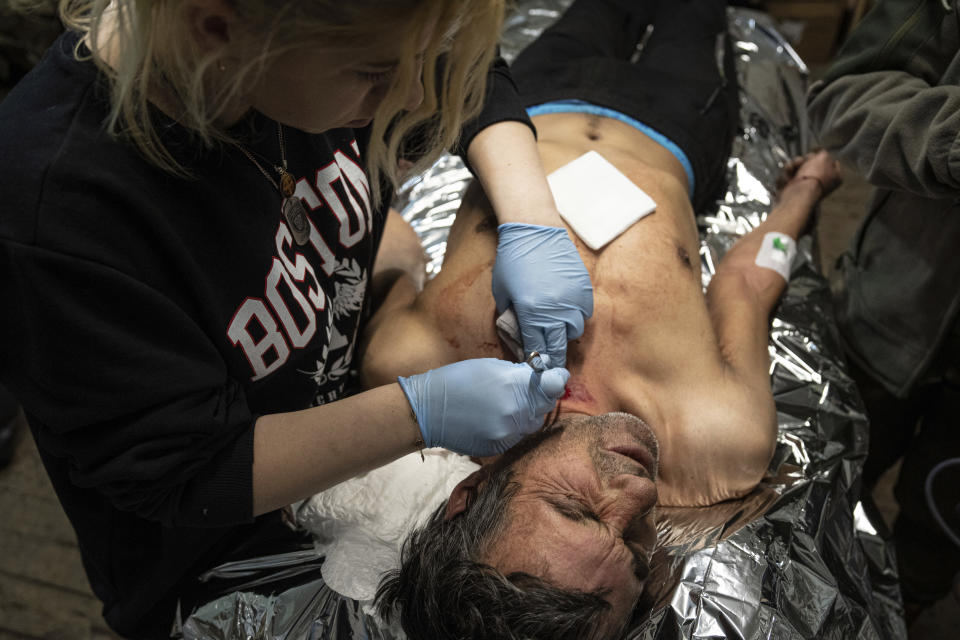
[{"x": 297, "y": 454}]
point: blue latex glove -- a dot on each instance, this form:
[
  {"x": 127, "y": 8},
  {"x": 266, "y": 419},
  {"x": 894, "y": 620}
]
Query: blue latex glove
[
  {"x": 482, "y": 407},
  {"x": 540, "y": 274}
]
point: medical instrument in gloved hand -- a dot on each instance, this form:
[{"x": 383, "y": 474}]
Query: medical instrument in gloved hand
[
  {"x": 539, "y": 273},
  {"x": 538, "y": 362},
  {"x": 482, "y": 407}
]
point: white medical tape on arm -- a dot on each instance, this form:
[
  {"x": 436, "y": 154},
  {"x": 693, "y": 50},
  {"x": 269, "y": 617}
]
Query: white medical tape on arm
[{"x": 776, "y": 253}]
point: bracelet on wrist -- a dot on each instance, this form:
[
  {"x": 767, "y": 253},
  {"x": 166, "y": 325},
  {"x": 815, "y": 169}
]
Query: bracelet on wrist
[
  {"x": 418, "y": 443},
  {"x": 823, "y": 188}
]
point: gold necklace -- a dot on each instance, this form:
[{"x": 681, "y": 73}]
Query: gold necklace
[{"x": 293, "y": 210}]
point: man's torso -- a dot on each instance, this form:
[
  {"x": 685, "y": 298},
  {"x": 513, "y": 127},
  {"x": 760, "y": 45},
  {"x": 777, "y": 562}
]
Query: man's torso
[{"x": 650, "y": 348}]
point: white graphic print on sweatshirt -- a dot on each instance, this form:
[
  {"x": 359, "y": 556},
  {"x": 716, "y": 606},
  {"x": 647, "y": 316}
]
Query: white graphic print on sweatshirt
[{"x": 301, "y": 308}]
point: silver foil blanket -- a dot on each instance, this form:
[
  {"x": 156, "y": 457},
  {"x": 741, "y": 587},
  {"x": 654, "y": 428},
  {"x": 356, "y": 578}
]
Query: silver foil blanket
[{"x": 798, "y": 558}]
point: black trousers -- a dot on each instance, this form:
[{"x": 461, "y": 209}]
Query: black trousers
[
  {"x": 682, "y": 83},
  {"x": 8, "y": 406},
  {"x": 924, "y": 430},
  {"x": 9, "y": 427}
]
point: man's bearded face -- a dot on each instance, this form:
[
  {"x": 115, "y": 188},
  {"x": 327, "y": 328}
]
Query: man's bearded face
[{"x": 583, "y": 515}]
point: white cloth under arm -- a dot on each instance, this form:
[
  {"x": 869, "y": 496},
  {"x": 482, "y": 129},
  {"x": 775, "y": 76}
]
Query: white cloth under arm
[{"x": 360, "y": 525}]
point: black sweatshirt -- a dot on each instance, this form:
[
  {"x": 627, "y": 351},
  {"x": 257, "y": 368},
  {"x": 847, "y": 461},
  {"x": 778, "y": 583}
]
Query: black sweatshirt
[{"x": 150, "y": 319}]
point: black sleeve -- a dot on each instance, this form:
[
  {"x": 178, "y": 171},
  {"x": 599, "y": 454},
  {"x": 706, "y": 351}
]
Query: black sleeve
[
  {"x": 123, "y": 384},
  {"x": 502, "y": 104}
]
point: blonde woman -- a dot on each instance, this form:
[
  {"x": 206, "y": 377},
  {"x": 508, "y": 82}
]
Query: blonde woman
[{"x": 193, "y": 193}]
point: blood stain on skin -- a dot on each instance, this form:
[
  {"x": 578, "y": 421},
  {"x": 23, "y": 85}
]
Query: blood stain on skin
[
  {"x": 453, "y": 292},
  {"x": 577, "y": 391},
  {"x": 447, "y": 308},
  {"x": 495, "y": 350}
]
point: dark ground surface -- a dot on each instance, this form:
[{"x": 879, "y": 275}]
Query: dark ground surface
[{"x": 44, "y": 593}]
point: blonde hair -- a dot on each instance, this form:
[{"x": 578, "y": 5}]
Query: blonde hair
[{"x": 152, "y": 58}]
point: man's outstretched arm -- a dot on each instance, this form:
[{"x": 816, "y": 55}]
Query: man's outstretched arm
[{"x": 742, "y": 294}]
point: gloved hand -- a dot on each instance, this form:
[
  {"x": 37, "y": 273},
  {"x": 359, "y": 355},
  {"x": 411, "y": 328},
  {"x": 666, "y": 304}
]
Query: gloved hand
[
  {"x": 539, "y": 272},
  {"x": 482, "y": 407}
]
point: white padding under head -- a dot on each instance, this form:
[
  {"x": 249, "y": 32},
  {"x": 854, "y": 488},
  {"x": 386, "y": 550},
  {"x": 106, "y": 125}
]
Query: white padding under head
[
  {"x": 596, "y": 200},
  {"x": 776, "y": 253}
]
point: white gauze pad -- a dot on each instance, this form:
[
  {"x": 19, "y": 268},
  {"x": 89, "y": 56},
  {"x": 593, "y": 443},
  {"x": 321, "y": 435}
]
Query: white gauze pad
[
  {"x": 597, "y": 201},
  {"x": 508, "y": 328},
  {"x": 777, "y": 252}
]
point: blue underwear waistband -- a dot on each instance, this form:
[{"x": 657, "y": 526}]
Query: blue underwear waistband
[{"x": 581, "y": 106}]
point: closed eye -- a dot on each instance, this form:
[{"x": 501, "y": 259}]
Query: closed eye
[
  {"x": 573, "y": 510},
  {"x": 379, "y": 77}
]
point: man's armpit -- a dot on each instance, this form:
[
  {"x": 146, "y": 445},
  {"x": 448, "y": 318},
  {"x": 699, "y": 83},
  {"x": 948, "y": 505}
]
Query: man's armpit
[
  {"x": 400, "y": 255},
  {"x": 746, "y": 431},
  {"x": 402, "y": 343},
  {"x": 724, "y": 449}
]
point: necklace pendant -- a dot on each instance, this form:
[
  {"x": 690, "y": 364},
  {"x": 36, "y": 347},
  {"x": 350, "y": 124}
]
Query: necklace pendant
[
  {"x": 296, "y": 216},
  {"x": 287, "y": 183}
]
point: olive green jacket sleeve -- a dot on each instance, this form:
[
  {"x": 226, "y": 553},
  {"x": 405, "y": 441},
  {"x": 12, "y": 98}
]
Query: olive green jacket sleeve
[
  {"x": 890, "y": 107},
  {"x": 890, "y": 104}
]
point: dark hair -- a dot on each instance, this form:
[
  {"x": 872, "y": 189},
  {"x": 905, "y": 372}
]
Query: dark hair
[{"x": 443, "y": 591}]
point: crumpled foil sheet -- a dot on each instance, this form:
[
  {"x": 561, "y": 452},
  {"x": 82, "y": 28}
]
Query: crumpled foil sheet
[{"x": 800, "y": 557}]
